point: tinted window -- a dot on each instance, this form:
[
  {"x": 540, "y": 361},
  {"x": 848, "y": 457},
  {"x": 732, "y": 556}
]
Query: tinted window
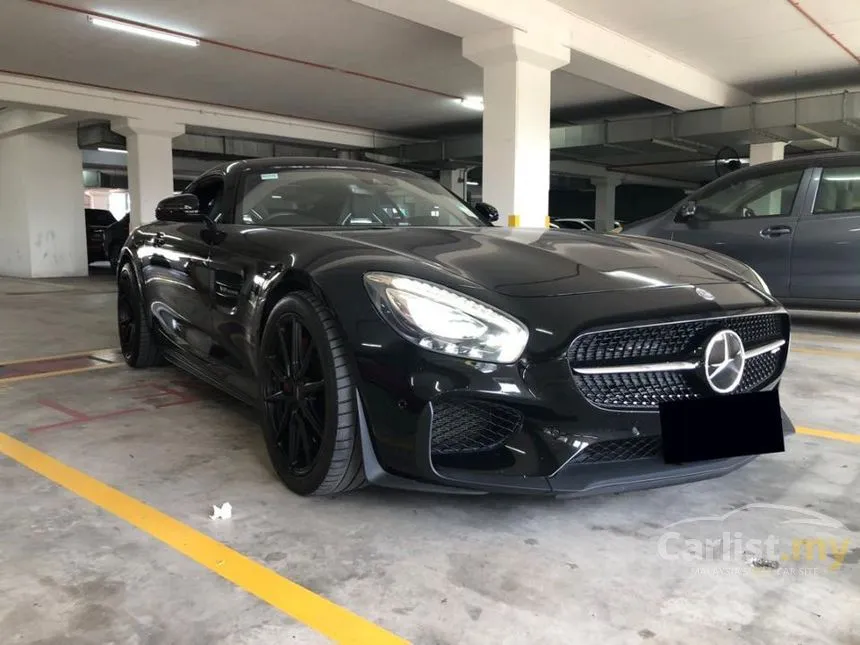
[
  {"x": 347, "y": 197},
  {"x": 98, "y": 217},
  {"x": 210, "y": 192},
  {"x": 766, "y": 196},
  {"x": 839, "y": 191}
]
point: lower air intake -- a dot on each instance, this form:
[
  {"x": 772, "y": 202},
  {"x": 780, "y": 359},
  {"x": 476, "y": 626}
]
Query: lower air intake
[{"x": 472, "y": 427}]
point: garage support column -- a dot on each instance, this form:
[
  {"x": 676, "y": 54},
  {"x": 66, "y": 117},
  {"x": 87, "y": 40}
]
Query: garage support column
[
  {"x": 42, "y": 225},
  {"x": 764, "y": 152},
  {"x": 516, "y": 145},
  {"x": 455, "y": 181},
  {"x": 150, "y": 163},
  {"x": 604, "y": 203}
]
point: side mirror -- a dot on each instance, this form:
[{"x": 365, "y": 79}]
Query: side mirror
[
  {"x": 686, "y": 212},
  {"x": 486, "y": 210},
  {"x": 179, "y": 208}
]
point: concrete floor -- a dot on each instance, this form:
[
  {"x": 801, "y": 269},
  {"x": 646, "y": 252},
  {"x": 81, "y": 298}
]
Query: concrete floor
[{"x": 433, "y": 569}]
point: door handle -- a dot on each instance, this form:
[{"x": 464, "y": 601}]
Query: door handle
[
  {"x": 775, "y": 231},
  {"x": 158, "y": 240}
]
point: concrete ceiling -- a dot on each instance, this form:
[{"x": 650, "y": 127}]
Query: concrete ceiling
[
  {"x": 417, "y": 72},
  {"x": 765, "y": 47}
]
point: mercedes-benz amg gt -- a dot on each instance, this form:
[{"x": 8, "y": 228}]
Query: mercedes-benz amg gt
[{"x": 390, "y": 333}]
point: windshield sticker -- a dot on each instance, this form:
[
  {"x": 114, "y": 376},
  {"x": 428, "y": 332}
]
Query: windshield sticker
[{"x": 269, "y": 175}]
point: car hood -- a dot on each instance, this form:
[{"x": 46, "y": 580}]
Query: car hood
[{"x": 523, "y": 262}]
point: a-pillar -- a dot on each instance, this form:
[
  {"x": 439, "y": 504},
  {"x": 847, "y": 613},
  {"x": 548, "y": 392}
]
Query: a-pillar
[
  {"x": 604, "y": 203},
  {"x": 42, "y": 225},
  {"x": 516, "y": 145},
  {"x": 764, "y": 152},
  {"x": 150, "y": 163},
  {"x": 455, "y": 181}
]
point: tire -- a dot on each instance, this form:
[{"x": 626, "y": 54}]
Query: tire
[
  {"x": 308, "y": 400},
  {"x": 138, "y": 343}
]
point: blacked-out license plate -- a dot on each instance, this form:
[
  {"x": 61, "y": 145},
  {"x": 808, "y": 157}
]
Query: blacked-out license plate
[{"x": 719, "y": 427}]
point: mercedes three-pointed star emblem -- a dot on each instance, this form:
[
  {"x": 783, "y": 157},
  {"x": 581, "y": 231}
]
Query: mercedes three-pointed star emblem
[{"x": 724, "y": 361}]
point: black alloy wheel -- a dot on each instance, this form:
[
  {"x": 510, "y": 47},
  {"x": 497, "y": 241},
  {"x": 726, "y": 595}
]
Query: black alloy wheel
[
  {"x": 296, "y": 395},
  {"x": 308, "y": 399},
  {"x": 137, "y": 342}
]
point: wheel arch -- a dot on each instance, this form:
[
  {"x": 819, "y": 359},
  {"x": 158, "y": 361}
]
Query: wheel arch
[{"x": 288, "y": 282}]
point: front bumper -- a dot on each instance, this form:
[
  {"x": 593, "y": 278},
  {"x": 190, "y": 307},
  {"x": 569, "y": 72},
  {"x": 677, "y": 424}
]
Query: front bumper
[
  {"x": 403, "y": 389},
  {"x": 545, "y": 455}
]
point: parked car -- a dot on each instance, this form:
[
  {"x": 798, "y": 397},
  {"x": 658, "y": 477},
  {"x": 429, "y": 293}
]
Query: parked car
[
  {"x": 579, "y": 224},
  {"x": 795, "y": 221},
  {"x": 97, "y": 220},
  {"x": 390, "y": 333},
  {"x": 113, "y": 237}
]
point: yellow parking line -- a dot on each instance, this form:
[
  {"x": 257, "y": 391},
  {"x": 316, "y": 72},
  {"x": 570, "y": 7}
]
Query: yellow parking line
[
  {"x": 39, "y": 359},
  {"x": 838, "y": 353},
  {"x": 851, "y": 340},
  {"x": 75, "y": 370},
  {"x": 321, "y": 615},
  {"x": 829, "y": 434}
]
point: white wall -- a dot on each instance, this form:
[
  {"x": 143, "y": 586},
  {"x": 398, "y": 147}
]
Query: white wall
[
  {"x": 14, "y": 229},
  {"x": 42, "y": 206}
]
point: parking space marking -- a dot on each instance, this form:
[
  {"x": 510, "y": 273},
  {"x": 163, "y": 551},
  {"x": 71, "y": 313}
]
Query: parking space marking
[
  {"x": 836, "y": 353},
  {"x": 27, "y": 369},
  {"x": 809, "y": 336},
  {"x": 331, "y": 620},
  {"x": 37, "y": 359},
  {"x": 829, "y": 434},
  {"x": 76, "y": 370}
]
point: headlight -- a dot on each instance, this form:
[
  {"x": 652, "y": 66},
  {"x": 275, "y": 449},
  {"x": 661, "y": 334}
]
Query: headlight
[
  {"x": 758, "y": 280},
  {"x": 445, "y": 321}
]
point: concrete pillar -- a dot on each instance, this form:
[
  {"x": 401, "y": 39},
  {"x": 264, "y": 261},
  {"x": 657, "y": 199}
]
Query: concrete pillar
[
  {"x": 150, "y": 163},
  {"x": 764, "y": 152},
  {"x": 42, "y": 225},
  {"x": 604, "y": 203},
  {"x": 516, "y": 154},
  {"x": 455, "y": 181}
]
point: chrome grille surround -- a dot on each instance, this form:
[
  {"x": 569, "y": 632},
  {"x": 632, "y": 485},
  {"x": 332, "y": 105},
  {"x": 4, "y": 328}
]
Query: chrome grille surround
[{"x": 637, "y": 367}]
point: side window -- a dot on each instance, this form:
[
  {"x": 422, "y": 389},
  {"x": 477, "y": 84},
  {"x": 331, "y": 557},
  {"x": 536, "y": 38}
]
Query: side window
[
  {"x": 766, "y": 196},
  {"x": 838, "y": 191},
  {"x": 210, "y": 192}
]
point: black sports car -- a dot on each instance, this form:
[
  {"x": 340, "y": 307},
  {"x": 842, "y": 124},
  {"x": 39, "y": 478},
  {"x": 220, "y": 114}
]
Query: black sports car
[{"x": 390, "y": 333}]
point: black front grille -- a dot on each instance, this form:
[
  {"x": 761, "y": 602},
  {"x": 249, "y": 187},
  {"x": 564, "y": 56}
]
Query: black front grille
[
  {"x": 638, "y": 390},
  {"x": 471, "y": 427},
  {"x": 758, "y": 370},
  {"x": 670, "y": 342},
  {"x": 619, "y": 450}
]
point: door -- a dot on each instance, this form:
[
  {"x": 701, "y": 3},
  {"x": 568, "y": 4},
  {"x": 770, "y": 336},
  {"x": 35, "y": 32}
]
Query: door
[
  {"x": 177, "y": 277},
  {"x": 752, "y": 219},
  {"x": 825, "y": 262},
  {"x": 235, "y": 287}
]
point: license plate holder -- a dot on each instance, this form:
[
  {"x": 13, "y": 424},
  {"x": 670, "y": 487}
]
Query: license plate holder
[{"x": 721, "y": 427}]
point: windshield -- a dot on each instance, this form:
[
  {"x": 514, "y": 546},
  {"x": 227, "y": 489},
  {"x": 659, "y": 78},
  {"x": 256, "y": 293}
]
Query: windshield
[{"x": 347, "y": 197}]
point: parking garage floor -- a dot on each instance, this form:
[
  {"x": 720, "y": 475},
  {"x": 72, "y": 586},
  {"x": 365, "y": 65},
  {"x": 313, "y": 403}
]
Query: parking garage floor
[{"x": 132, "y": 556}]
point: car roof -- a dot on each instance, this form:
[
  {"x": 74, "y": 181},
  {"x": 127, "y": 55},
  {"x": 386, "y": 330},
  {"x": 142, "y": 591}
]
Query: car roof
[
  {"x": 794, "y": 162},
  {"x": 287, "y": 163}
]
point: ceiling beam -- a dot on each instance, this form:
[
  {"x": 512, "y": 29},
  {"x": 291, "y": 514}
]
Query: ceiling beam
[
  {"x": 597, "y": 53},
  {"x": 94, "y": 102},
  {"x": 15, "y": 121}
]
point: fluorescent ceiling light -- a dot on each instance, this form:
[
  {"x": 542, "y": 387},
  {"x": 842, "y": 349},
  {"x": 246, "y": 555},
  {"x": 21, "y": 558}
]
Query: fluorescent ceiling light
[
  {"x": 129, "y": 28},
  {"x": 472, "y": 102},
  {"x": 119, "y": 150}
]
